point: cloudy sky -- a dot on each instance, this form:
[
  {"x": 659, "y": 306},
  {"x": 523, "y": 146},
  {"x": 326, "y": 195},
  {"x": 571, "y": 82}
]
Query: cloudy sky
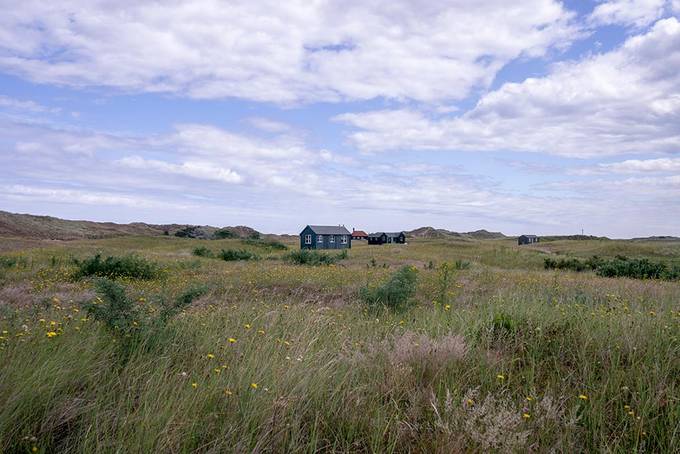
[{"x": 540, "y": 117}]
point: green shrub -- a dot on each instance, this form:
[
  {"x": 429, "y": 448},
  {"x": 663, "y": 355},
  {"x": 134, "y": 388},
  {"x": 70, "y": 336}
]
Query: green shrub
[
  {"x": 445, "y": 273},
  {"x": 223, "y": 234},
  {"x": 203, "y": 251},
  {"x": 268, "y": 244},
  {"x": 7, "y": 261},
  {"x": 395, "y": 293},
  {"x": 231, "y": 255},
  {"x": 621, "y": 266},
  {"x": 634, "y": 268},
  {"x": 129, "y": 323},
  {"x": 565, "y": 264},
  {"x": 191, "y": 231},
  {"x": 309, "y": 257},
  {"x": 461, "y": 265},
  {"x": 113, "y": 267}
]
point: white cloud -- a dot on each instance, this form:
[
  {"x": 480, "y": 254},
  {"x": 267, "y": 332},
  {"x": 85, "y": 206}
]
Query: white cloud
[
  {"x": 638, "y": 13},
  {"x": 630, "y": 166},
  {"x": 196, "y": 169},
  {"x": 268, "y": 125},
  {"x": 75, "y": 196},
  {"x": 285, "y": 52},
  {"x": 23, "y": 105},
  {"x": 624, "y": 101}
]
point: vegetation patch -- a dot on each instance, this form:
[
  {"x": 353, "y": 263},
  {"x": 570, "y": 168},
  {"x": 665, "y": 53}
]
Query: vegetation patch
[
  {"x": 203, "y": 251},
  {"x": 130, "y": 323},
  {"x": 267, "y": 244},
  {"x": 621, "y": 266},
  {"x": 396, "y": 293},
  {"x": 129, "y": 266},
  {"x": 232, "y": 255},
  {"x": 7, "y": 262},
  {"x": 308, "y": 257}
]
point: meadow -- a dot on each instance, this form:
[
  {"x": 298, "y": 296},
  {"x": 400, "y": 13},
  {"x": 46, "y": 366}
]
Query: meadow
[{"x": 492, "y": 353}]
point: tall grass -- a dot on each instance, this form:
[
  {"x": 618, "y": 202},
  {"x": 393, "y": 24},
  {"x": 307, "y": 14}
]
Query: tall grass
[{"x": 284, "y": 358}]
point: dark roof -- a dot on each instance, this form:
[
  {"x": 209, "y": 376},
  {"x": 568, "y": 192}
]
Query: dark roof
[
  {"x": 376, "y": 234},
  {"x": 394, "y": 234},
  {"x": 359, "y": 233},
  {"x": 329, "y": 229},
  {"x": 528, "y": 236}
]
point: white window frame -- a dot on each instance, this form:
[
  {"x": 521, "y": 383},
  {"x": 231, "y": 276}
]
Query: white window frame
[
  {"x": 344, "y": 239},
  {"x": 319, "y": 238},
  {"x": 308, "y": 238},
  {"x": 332, "y": 240}
]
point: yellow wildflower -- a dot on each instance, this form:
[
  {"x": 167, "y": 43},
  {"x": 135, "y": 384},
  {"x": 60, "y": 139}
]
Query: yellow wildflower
[
  {"x": 500, "y": 377},
  {"x": 232, "y": 340},
  {"x": 247, "y": 326},
  {"x": 210, "y": 356},
  {"x": 51, "y": 334},
  {"x": 447, "y": 307},
  {"x": 227, "y": 392},
  {"x": 526, "y": 415},
  {"x": 583, "y": 397},
  {"x": 253, "y": 385},
  {"x": 194, "y": 385}
]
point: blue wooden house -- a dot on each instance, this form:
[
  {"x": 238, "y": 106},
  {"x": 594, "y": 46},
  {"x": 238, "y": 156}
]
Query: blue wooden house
[{"x": 325, "y": 237}]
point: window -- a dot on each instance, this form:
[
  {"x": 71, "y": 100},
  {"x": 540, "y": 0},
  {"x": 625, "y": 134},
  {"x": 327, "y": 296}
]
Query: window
[
  {"x": 332, "y": 240},
  {"x": 308, "y": 239},
  {"x": 344, "y": 239},
  {"x": 319, "y": 239}
]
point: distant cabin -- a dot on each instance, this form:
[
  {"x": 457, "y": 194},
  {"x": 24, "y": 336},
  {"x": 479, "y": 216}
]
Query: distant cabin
[
  {"x": 325, "y": 237},
  {"x": 527, "y": 239},
  {"x": 387, "y": 238},
  {"x": 359, "y": 235}
]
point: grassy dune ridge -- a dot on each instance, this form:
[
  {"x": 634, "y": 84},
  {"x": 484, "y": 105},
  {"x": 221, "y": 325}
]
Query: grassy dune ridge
[{"x": 281, "y": 357}]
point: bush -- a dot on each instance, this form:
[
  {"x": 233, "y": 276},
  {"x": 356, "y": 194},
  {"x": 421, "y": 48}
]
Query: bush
[
  {"x": 565, "y": 264},
  {"x": 231, "y": 255},
  {"x": 268, "y": 244},
  {"x": 223, "y": 234},
  {"x": 461, "y": 265},
  {"x": 128, "y": 322},
  {"x": 203, "y": 251},
  {"x": 309, "y": 257},
  {"x": 191, "y": 231},
  {"x": 395, "y": 293},
  {"x": 114, "y": 267},
  {"x": 634, "y": 268},
  {"x": 7, "y": 262},
  {"x": 621, "y": 266}
]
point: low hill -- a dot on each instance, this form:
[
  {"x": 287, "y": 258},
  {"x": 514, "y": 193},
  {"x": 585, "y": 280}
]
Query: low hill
[
  {"x": 48, "y": 227},
  {"x": 431, "y": 232}
]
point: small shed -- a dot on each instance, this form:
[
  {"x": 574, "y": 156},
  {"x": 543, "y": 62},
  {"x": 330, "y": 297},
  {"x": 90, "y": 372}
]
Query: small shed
[
  {"x": 527, "y": 239},
  {"x": 359, "y": 235},
  {"x": 325, "y": 237}
]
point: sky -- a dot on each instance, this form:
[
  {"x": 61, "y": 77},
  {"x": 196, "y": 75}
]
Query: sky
[{"x": 534, "y": 116}]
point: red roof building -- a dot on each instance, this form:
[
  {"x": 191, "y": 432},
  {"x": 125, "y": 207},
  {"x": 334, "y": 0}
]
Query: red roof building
[{"x": 359, "y": 235}]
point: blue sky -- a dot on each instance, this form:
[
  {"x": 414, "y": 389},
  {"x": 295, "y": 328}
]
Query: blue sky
[{"x": 543, "y": 117}]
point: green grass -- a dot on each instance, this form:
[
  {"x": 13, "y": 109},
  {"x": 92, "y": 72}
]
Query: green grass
[{"x": 480, "y": 346}]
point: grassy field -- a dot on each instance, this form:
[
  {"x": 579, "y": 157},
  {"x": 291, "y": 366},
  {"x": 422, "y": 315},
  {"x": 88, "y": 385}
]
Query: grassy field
[{"x": 499, "y": 355}]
